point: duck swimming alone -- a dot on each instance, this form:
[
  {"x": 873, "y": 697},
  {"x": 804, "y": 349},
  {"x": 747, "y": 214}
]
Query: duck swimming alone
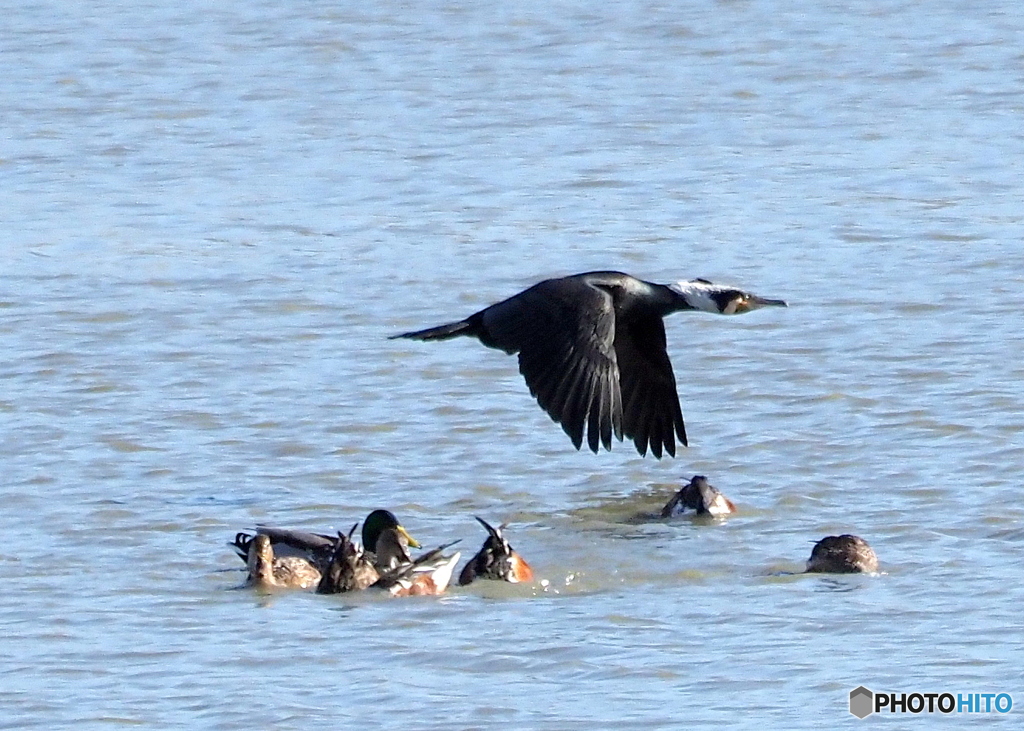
[
  {"x": 267, "y": 571},
  {"x": 592, "y": 350},
  {"x": 701, "y": 497},
  {"x": 843, "y": 554},
  {"x": 496, "y": 560}
]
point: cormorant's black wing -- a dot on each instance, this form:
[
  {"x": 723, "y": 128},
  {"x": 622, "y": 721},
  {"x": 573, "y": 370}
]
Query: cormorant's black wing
[
  {"x": 563, "y": 330},
  {"x": 651, "y": 415}
]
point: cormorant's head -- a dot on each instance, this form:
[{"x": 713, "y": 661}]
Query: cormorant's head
[{"x": 700, "y": 294}]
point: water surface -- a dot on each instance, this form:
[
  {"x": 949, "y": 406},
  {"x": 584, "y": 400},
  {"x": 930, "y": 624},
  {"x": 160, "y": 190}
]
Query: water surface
[{"x": 214, "y": 218}]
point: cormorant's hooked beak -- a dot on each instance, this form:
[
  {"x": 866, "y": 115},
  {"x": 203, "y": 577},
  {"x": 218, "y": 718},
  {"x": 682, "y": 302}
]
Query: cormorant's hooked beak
[{"x": 749, "y": 302}]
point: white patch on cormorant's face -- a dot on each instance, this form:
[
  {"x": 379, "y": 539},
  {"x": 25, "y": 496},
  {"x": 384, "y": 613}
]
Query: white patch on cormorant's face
[{"x": 697, "y": 294}]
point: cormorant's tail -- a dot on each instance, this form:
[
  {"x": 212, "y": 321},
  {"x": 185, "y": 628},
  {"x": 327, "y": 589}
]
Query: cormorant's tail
[{"x": 442, "y": 332}]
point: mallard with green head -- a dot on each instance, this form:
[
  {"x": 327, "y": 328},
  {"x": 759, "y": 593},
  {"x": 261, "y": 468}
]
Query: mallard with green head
[
  {"x": 396, "y": 552},
  {"x": 496, "y": 560},
  {"x": 351, "y": 569},
  {"x": 426, "y": 575},
  {"x": 845, "y": 554}
]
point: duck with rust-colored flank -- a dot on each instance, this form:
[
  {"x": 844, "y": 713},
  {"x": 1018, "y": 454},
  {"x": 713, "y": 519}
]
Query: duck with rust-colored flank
[
  {"x": 701, "y": 497},
  {"x": 845, "y": 554},
  {"x": 390, "y": 569},
  {"x": 496, "y": 560},
  {"x": 267, "y": 571},
  {"x": 425, "y": 575}
]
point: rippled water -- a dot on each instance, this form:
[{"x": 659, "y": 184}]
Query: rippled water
[{"x": 214, "y": 218}]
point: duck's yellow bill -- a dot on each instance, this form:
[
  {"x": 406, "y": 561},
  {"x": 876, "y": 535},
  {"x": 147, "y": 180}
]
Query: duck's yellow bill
[{"x": 412, "y": 541}]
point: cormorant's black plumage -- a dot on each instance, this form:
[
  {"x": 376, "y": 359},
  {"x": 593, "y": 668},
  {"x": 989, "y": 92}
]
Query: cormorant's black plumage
[{"x": 592, "y": 350}]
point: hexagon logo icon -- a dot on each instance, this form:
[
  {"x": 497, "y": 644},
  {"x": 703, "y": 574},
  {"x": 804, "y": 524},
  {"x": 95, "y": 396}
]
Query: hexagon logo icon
[{"x": 862, "y": 702}]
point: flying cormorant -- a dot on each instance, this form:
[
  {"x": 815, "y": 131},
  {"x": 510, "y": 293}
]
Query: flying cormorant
[{"x": 592, "y": 349}]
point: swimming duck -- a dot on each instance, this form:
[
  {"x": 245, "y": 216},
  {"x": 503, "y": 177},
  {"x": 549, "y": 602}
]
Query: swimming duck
[
  {"x": 352, "y": 569},
  {"x": 318, "y": 548},
  {"x": 267, "y": 571},
  {"x": 348, "y": 569},
  {"x": 426, "y": 575},
  {"x": 496, "y": 560},
  {"x": 314, "y": 547},
  {"x": 377, "y": 524},
  {"x": 843, "y": 554},
  {"x": 700, "y": 496}
]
